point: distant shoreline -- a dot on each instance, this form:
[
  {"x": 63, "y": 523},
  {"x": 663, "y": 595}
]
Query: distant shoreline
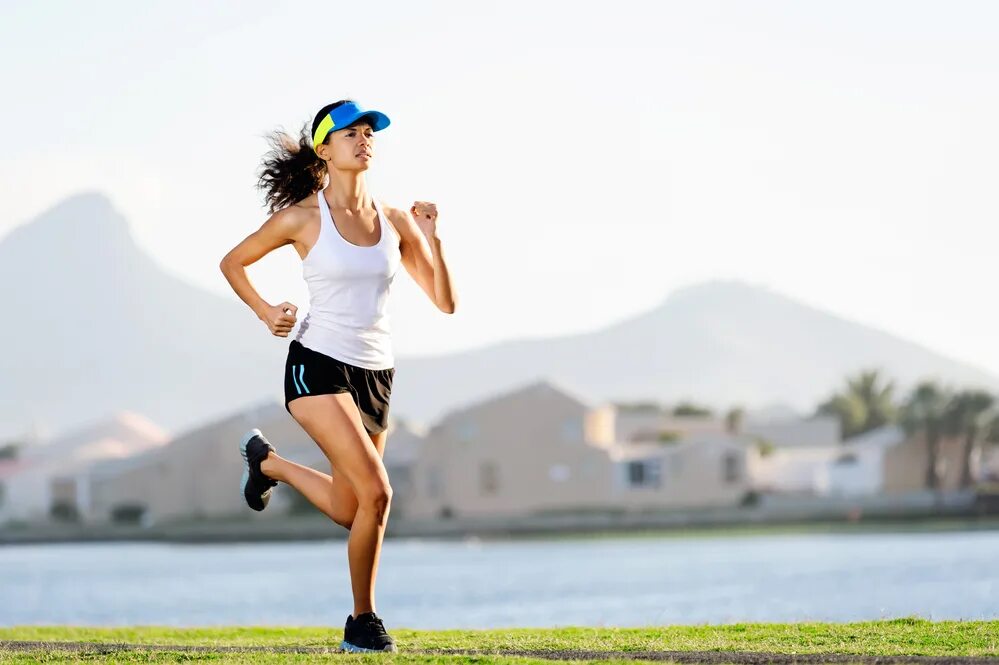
[{"x": 312, "y": 528}]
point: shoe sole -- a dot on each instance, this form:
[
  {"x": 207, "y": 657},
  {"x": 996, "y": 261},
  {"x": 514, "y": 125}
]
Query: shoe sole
[
  {"x": 347, "y": 646},
  {"x": 246, "y": 471}
]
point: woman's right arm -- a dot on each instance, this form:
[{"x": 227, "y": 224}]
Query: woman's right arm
[{"x": 280, "y": 229}]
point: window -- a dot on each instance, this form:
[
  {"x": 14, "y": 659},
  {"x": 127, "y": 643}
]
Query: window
[
  {"x": 435, "y": 482},
  {"x": 572, "y": 429},
  {"x": 730, "y": 467},
  {"x": 467, "y": 431},
  {"x": 128, "y": 513},
  {"x": 559, "y": 473},
  {"x": 488, "y": 478},
  {"x": 644, "y": 473}
]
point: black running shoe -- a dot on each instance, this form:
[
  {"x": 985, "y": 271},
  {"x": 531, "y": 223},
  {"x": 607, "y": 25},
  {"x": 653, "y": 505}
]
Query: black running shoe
[
  {"x": 366, "y": 633},
  {"x": 256, "y": 486}
]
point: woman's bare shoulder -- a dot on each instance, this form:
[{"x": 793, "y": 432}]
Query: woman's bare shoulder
[
  {"x": 297, "y": 213},
  {"x": 398, "y": 216},
  {"x": 306, "y": 206},
  {"x": 289, "y": 222}
]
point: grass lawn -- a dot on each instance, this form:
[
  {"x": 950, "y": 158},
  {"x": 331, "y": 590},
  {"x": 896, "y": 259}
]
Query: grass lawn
[{"x": 775, "y": 642}]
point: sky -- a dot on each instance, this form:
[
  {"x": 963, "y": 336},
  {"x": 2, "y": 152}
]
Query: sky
[{"x": 587, "y": 159}]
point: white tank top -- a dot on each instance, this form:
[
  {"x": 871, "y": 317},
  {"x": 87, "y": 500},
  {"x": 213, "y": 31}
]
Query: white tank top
[{"x": 348, "y": 291}]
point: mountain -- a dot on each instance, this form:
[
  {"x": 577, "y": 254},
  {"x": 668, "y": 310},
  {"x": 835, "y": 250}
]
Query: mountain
[
  {"x": 96, "y": 327},
  {"x": 719, "y": 343}
]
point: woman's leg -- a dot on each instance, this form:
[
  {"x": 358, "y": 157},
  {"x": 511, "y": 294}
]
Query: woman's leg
[
  {"x": 331, "y": 494},
  {"x": 334, "y": 423},
  {"x": 319, "y": 488},
  {"x": 341, "y": 492}
]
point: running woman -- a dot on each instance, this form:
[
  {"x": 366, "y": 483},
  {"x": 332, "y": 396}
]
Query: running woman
[{"x": 340, "y": 365}]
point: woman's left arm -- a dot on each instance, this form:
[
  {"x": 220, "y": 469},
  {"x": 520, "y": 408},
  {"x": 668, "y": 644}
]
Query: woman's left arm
[{"x": 423, "y": 255}]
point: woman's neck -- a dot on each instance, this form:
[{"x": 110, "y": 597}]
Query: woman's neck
[{"x": 347, "y": 190}]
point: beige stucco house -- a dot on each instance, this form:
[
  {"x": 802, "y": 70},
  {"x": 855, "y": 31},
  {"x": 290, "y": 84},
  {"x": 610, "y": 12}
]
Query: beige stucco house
[
  {"x": 543, "y": 449},
  {"x": 698, "y": 471},
  {"x": 649, "y": 425},
  {"x": 43, "y": 482},
  {"x": 906, "y": 463},
  {"x": 197, "y": 474}
]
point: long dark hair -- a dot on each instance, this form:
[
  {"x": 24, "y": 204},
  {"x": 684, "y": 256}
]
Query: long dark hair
[{"x": 292, "y": 170}]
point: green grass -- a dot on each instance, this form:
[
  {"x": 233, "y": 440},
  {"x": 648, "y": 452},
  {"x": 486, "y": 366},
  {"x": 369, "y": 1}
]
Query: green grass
[{"x": 910, "y": 636}]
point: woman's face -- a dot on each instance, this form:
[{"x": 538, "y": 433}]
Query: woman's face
[{"x": 351, "y": 148}]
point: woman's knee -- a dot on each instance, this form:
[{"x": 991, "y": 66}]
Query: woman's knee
[{"x": 374, "y": 493}]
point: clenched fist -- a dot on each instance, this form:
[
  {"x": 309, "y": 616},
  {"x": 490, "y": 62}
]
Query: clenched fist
[
  {"x": 280, "y": 319},
  {"x": 425, "y": 214}
]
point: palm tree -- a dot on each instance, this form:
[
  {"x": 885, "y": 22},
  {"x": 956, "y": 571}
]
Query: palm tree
[
  {"x": 925, "y": 410},
  {"x": 878, "y": 400},
  {"x": 970, "y": 411},
  {"x": 991, "y": 434},
  {"x": 992, "y": 429},
  {"x": 864, "y": 405},
  {"x": 848, "y": 409}
]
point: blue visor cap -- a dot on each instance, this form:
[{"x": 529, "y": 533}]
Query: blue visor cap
[{"x": 345, "y": 115}]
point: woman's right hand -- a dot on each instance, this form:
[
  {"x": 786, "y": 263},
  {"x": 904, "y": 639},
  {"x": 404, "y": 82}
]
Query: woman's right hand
[
  {"x": 280, "y": 319},
  {"x": 283, "y": 227}
]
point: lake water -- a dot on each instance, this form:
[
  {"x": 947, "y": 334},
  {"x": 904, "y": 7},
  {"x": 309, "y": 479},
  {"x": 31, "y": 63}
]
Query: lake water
[{"x": 619, "y": 581}]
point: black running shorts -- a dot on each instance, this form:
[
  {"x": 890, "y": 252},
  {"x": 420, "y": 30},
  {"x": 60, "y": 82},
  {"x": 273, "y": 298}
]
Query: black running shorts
[{"x": 308, "y": 372}]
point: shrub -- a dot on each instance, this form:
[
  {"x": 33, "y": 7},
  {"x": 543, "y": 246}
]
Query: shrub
[{"x": 128, "y": 513}]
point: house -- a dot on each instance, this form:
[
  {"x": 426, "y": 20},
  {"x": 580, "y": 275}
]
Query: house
[
  {"x": 906, "y": 464},
  {"x": 197, "y": 474},
  {"x": 695, "y": 472},
  {"x": 793, "y": 455},
  {"x": 788, "y": 433},
  {"x": 881, "y": 461},
  {"x": 990, "y": 463},
  {"x": 533, "y": 449},
  {"x": 42, "y": 482},
  {"x": 543, "y": 449},
  {"x": 858, "y": 466},
  {"x": 652, "y": 425},
  {"x": 403, "y": 448}
]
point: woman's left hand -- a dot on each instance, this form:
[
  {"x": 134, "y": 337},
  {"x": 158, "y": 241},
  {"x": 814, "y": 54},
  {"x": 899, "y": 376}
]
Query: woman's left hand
[{"x": 425, "y": 214}]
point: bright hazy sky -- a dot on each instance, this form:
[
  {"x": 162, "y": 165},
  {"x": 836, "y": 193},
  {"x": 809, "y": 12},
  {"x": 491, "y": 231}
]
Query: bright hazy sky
[{"x": 587, "y": 158}]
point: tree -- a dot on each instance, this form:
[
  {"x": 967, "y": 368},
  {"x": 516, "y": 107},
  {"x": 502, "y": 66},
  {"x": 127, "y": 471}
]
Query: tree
[
  {"x": 690, "y": 409},
  {"x": 992, "y": 429},
  {"x": 668, "y": 436},
  {"x": 969, "y": 414},
  {"x": 734, "y": 419},
  {"x": 864, "y": 405},
  {"x": 848, "y": 409},
  {"x": 639, "y": 407},
  {"x": 925, "y": 411}
]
